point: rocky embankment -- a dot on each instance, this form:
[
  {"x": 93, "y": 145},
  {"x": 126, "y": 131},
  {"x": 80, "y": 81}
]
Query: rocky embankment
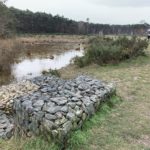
[
  {"x": 8, "y": 94},
  {"x": 54, "y": 107}
]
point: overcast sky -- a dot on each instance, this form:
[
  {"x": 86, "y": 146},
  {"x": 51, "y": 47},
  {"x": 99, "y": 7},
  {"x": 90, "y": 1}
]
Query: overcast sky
[{"x": 99, "y": 11}]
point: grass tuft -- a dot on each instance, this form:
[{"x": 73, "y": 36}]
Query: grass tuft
[
  {"x": 80, "y": 137},
  {"x": 39, "y": 143},
  {"x": 52, "y": 72}
]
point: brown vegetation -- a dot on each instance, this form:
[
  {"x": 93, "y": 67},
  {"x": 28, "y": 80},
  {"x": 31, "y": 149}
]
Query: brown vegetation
[{"x": 9, "y": 49}]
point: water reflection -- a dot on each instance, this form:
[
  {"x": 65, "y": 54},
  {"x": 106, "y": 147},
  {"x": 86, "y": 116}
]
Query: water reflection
[{"x": 29, "y": 68}]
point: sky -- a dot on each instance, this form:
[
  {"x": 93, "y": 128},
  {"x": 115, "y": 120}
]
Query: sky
[{"x": 98, "y": 11}]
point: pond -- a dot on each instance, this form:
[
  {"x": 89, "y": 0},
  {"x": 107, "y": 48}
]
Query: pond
[{"x": 32, "y": 67}]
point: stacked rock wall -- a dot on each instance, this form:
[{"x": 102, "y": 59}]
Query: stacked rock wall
[
  {"x": 8, "y": 93},
  {"x": 59, "y": 106}
]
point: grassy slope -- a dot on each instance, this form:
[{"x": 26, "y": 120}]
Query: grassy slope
[{"x": 127, "y": 127}]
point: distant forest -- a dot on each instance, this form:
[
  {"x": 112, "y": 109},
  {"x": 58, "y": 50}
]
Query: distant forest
[{"x": 43, "y": 23}]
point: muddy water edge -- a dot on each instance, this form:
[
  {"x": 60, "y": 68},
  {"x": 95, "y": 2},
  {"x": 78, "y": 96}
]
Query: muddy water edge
[{"x": 43, "y": 53}]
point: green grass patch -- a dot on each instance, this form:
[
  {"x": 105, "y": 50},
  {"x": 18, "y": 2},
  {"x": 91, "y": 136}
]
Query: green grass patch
[
  {"x": 40, "y": 143},
  {"x": 80, "y": 137},
  {"x": 52, "y": 72}
]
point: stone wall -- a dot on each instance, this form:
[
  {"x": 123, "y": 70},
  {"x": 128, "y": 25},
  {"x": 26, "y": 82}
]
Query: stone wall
[
  {"x": 9, "y": 92},
  {"x": 59, "y": 106},
  {"x": 6, "y": 126}
]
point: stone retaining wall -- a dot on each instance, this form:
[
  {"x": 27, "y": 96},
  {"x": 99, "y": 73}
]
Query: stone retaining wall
[
  {"x": 59, "y": 106},
  {"x": 9, "y": 92},
  {"x": 6, "y": 126}
]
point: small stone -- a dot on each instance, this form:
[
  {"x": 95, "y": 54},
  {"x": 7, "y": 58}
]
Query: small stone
[
  {"x": 44, "y": 90},
  {"x": 72, "y": 105},
  {"x": 53, "y": 110},
  {"x": 26, "y": 104},
  {"x": 71, "y": 116},
  {"x": 93, "y": 98},
  {"x": 48, "y": 125},
  {"x": 50, "y": 117},
  {"x": 29, "y": 134},
  {"x": 83, "y": 86},
  {"x": 63, "y": 120},
  {"x": 79, "y": 113},
  {"x": 59, "y": 115},
  {"x": 54, "y": 133},
  {"x": 3, "y": 126},
  {"x": 75, "y": 99},
  {"x": 38, "y": 103},
  {"x": 84, "y": 116},
  {"x": 90, "y": 108},
  {"x": 79, "y": 103},
  {"x": 64, "y": 109},
  {"x": 59, "y": 100},
  {"x": 67, "y": 127}
]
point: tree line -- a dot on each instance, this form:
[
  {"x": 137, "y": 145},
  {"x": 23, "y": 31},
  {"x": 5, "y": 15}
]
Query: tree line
[{"x": 25, "y": 21}]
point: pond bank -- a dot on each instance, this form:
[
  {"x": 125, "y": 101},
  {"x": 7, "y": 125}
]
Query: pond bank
[{"x": 39, "y": 50}]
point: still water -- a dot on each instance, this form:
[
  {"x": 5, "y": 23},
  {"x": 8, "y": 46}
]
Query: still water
[{"x": 32, "y": 67}]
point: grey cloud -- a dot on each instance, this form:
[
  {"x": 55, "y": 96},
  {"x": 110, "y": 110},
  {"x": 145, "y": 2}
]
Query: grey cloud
[{"x": 122, "y": 3}]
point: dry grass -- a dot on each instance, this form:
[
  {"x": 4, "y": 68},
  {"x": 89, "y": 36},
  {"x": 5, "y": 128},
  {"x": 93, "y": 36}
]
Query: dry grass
[
  {"x": 9, "y": 50},
  {"x": 52, "y": 38},
  {"x": 128, "y": 126},
  {"x": 39, "y": 45}
]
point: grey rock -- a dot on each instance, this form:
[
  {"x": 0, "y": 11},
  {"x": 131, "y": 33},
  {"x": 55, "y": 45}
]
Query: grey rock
[
  {"x": 71, "y": 116},
  {"x": 94, "y": 98},
  {"x": 64, "y": 109},
  {"x": 39, "y": 115},
  {"x": 72, "y": 94},
  {"x": 50, "y": 117},
  {"x": 54, "y": 133},
  {"x": 83, "y": 86},
  {"x": 72, "y": 105},
  {"x": 79, "y": 103},
  {"x": 53, "y": 110},
  {"x": 84, "y": 116},
  {"x": 37, "y": 109},
  {"x": 67, "y": 127},
  {"x": 59, "y": 100},
  {"x": 44, "y": 90},
  {"x": 38, "y": 103},
  {"x": 90, "y": 108},
  {"x": 75, "y": 99},
  {"x": 59, "y": 115},
  {"x": 27, "y": 104},
  {"x": 48, "y": 125},
  {"x": 79, "y": 113}
]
